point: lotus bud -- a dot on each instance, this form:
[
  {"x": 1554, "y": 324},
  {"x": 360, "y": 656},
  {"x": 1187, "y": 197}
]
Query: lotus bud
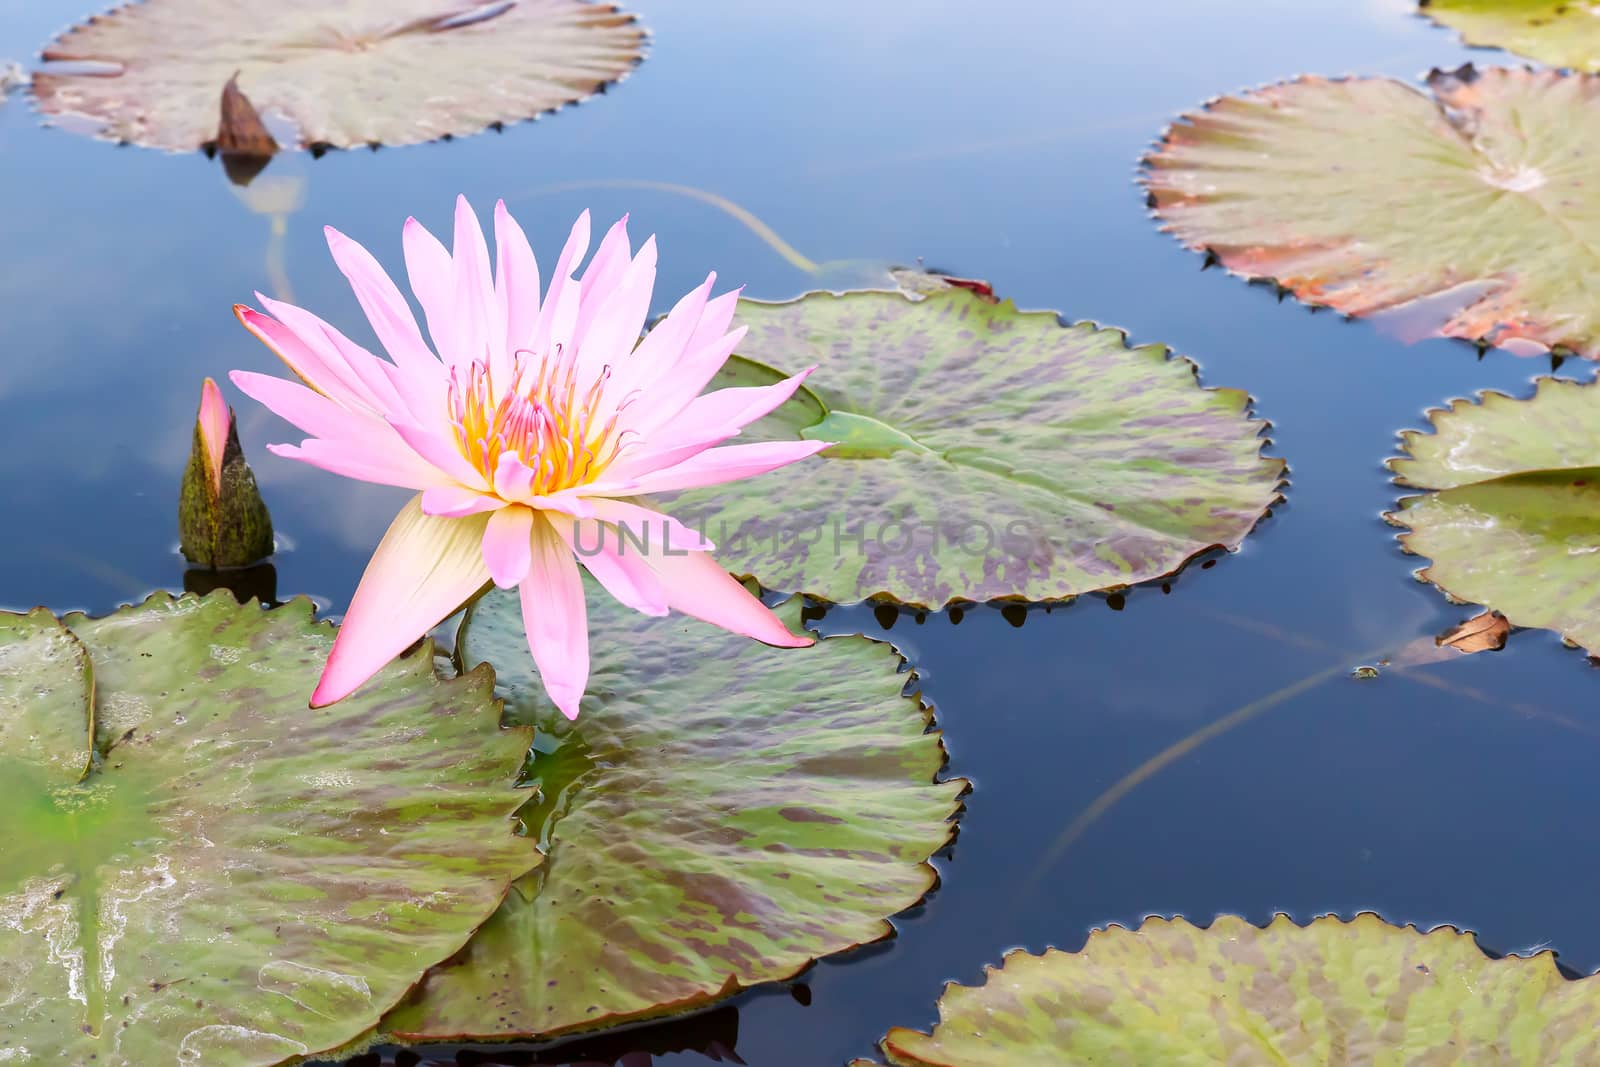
[{"x": 222, "y": 520}]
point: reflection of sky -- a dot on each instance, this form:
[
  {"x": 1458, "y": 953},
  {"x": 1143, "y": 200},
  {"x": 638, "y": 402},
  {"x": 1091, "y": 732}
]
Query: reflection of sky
[{"x": 1000, "y": 145}]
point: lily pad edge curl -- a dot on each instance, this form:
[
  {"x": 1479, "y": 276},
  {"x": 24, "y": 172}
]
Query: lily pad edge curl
[{"x": 829, "y": 407}]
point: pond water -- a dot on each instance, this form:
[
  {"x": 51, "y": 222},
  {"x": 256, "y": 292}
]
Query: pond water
[{"x": 996, "y": 142}]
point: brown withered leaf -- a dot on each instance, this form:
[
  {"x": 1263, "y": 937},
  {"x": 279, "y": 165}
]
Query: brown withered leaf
[
  {"x": 1481, "y": 633},
  {"x": 1486, "y": 632}
]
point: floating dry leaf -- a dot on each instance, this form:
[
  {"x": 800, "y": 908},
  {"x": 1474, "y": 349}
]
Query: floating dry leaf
[
  {"x": 354, "y": 73},
  {"x": 1475, "y": 207},
  {"x": 1481, "y": 633}
]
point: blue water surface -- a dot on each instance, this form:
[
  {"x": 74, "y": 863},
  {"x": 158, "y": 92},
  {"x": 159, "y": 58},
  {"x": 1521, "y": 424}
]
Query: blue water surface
[{"x": 996, "y": 141}]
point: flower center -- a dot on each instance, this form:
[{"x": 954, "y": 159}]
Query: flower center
[{"x": 539, "y": 416}]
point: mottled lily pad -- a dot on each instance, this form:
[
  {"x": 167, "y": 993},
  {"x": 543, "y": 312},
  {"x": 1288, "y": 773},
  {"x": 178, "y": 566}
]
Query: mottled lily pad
[
  {"x": 1331, "y": 992},
  {"x": 1561, "y": 33},
  {"x": 1473, "y": 208},
  {"x": 355, "y": 73},
  {"x": 1514, "y": 519},
  {"x": 984, "y": 453},
  {"x": 236, "y": 881},
  {"x": 720, "y": 814}
]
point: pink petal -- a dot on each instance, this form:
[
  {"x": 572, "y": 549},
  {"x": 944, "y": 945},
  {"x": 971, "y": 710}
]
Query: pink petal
[
  {"x": 513, "y": 479},
  {"x": 215, "y": 422},
  {"x": 697, "y": 585},
  {"x": 473, "y": 290},
  {"x": 628, "y": 577},
  {"x": 646, "y": 531},
  {"x": 717, "y": 465},
  {"x": 687, "y": 379},
  {"x": 307, "y": 362},
  {"x": 615, "y": 330},
  {"x": 715, "y": 320},
  {"x": 432, "y": 279},
  {"x": 708, "y": 420},
  {"x": 441, "y": 452},
  {"x": 600, "y": 277},
  {"x": 560, "y": 282},
  {"x": 556, "y": 619},
  {"x": 662, "y": 346},
  {"x": 365, "y": 462},
  {"x": 516, "y": 281},
  {"x": 382, "y": 302},
  {"x": 457, "y": 501},
  {"x": 307, "y": 409},
  {"x": 423, "y": 570},
  {"x": 507, "y": 545}
]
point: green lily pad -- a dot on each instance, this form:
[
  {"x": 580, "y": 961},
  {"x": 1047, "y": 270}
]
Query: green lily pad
[
  {"x": 356, "y": 73},
  {"x": 238, "y": 881},
  {"x": 1561, "y": 33},
  {"x": 1514, "y": 519},
  {"x": 720, "y": 814},
  {"x": 44, "y": 669},
  {"x": 984, "y": 453},
  {"x": 1475, "y": 207},
  {"x": 1331, "y": 992}
]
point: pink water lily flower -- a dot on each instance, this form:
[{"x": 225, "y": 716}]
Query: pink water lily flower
[{"x": 527, "y": 436}]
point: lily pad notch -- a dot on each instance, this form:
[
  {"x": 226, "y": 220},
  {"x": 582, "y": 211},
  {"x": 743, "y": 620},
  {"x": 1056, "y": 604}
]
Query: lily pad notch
[
  {"x": 1465, "y": 208},
  {"x": 364, "y": 73},
  {"x": 985, "y": 454},
  {"x": 719, "y": 816}
]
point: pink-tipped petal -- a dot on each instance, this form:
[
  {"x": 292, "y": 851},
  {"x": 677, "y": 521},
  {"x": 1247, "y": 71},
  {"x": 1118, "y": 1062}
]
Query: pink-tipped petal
[
  {"x": 215, "y": 421},
  {"x": 556, "y": 619},
  {"x": 380, "y": 299},
  {"x": 516, "y": 280},
  {"x": 697, "y": 585},
  {"x": 456, "y": 501},
  {"x": 305, "y": 361},
  {"x": 307, "y": 409},
  {"x": 627, "y": 577},
  {"x": 424, "y": 569},
  {"x": 432, "y": 279},
  {"x": 473, "y": 297},
  {"x": 715, "y": 466},
  {"x": 507, "y": 545},
  {"x": 323, "y": 341}
]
